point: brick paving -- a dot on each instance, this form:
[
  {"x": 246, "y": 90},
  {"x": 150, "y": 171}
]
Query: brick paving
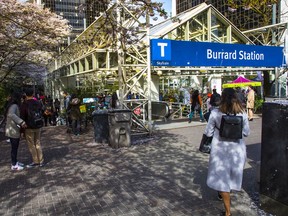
[{"x": 159, "y": 175}]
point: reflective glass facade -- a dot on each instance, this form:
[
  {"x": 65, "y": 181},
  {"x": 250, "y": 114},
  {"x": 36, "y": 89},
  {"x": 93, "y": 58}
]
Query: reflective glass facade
[
  {"x": 244, "y": 18},
  {"x": 76, "y": 11}
]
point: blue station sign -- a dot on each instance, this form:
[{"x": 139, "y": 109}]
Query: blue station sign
[{"x": 198, "y": 54}]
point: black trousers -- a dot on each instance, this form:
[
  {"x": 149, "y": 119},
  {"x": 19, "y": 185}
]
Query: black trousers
[{"x": 14, "y": 149}]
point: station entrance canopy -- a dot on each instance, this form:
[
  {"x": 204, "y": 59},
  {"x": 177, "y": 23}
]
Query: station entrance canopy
[{"x": 200, "y": 54}]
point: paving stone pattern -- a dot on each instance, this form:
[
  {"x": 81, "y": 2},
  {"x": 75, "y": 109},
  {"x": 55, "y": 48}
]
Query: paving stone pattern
[{"x": 163, "y": 174}]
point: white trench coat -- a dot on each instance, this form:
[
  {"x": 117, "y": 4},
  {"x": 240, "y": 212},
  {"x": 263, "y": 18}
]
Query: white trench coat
[{"x": 227, "y": 157}]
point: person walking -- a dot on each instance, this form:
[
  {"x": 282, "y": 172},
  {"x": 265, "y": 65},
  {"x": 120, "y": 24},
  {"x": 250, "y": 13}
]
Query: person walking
[
  {"x": 57, "y": 105},
  {"x": 196, "y": 104},
  {"x": 31, "y": 113},
  {"x": 48, "y": 112},
  {"x": 114, "y": 102},
  {"x": 215, "y": 99},
  {"x": 209, "y": 107},
  {"x": 241, "y": 96},
  {"x": 75, "y": 114},
  {"x": 56, "y": 112},
  {"x": 250, "y": 102},
  {"x": 13, "y": 128},
  {"x": 67, "y": 98},
  {"x": 227, "y": 156}
]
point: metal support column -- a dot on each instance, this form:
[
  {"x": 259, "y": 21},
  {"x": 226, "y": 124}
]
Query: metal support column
[
  {"x": 149, "y": 71},
  {"x": 120, "y": 58},
  {"x": 276, "y": 82}
]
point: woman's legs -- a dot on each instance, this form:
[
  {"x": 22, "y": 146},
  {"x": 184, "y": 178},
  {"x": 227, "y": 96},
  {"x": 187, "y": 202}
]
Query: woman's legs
[
  {"x": 76, "y": 126},
  {"x": 45, "y": 119},
  {"x": 226, "y": 201},
  {"x": 191, "y": 114},
  {"x": 201, "y": 114},
  {"x": 14, "y": 150},
  {"x": 250, "y": 113}
]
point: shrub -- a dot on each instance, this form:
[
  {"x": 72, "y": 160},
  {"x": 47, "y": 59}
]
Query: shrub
[{"x": 258, "y": 104}]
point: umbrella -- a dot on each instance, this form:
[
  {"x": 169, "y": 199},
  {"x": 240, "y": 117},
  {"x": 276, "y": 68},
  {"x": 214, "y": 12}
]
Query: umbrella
[{"x": 241, "y": 81}]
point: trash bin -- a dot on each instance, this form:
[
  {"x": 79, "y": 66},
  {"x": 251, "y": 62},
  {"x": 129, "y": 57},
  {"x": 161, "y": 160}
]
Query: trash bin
[
  {"x": 119, "y": 128},
  {"x": 274, "y": 158},
  {"x": 101, "y": 126}
]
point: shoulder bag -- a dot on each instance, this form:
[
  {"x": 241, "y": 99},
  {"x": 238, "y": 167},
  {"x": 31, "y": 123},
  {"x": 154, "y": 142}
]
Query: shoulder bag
[{"x": 205, "y": 144}]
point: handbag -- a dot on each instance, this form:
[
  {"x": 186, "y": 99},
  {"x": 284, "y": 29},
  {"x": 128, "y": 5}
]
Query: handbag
[
  {"x": 231, "y": 126},
  {"x": 205, "y": 144},
  {"x": 207, "y": 115}
]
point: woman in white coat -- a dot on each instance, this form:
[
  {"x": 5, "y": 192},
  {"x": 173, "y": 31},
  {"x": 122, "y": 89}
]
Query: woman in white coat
[
  {"x": 227, "y": 156},
  {"x": 12, "y": 128}
]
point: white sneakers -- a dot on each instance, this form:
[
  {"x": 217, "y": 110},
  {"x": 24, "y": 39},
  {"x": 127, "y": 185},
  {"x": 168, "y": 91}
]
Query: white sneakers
[{"x": 18, "y": 166}]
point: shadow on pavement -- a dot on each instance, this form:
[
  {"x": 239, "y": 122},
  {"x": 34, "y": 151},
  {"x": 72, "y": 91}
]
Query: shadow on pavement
[{"x": 162, "y": 174}]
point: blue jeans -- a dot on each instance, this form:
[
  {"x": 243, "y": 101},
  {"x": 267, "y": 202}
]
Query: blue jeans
[{"x": 191, "y": 114}]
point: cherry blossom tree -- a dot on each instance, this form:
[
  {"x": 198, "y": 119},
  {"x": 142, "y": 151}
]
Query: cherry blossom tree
[{"x": 29, "y": 35}]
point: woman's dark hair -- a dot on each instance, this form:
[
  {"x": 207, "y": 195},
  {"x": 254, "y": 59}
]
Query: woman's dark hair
[
  {"x": 15, "y": 98},
  {"x": 29, "y": 92},
  {"x": 230, "y": 102},
  {"x": 72, "y": 96},
  {"x": 195, "y": 95}
]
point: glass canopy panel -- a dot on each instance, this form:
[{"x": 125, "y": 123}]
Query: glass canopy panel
[
  {"x": 89, "y": 60},
  {"x": 180, "y": 33},
  {"x": 236, "y": 39},
  {"x": 113, "y": 59},
  {"x": 82, "y": 65},
  {"x": 198, "y": 30},
  {"x": 101, "y": 59},
  {"x": 218, "y": 29}
]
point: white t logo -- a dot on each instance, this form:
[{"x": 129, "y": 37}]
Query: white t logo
[{"x": 162, "y": 45}]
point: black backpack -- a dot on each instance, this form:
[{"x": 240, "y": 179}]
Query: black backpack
[
  {"x": 34, "y": 118},
  {"x": 231, "y": 127}
]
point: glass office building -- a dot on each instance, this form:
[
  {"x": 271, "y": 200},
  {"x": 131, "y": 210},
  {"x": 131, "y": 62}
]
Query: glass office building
[
  {"x": 79, "y": 13},
  {"x": 243, "y": 17}
]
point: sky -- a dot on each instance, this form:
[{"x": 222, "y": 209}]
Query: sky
[{"x": 167, "y": 5}]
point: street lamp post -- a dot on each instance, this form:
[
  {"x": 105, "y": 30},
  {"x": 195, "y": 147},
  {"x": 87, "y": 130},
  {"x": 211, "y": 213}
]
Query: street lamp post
[
  {"x": 149, "y": 70},
  {"x": 120, "y": 58}
]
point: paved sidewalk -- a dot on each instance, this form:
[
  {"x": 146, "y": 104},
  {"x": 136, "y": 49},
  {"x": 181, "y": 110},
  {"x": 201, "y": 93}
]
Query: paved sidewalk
[{"x": 164, "y": 174}]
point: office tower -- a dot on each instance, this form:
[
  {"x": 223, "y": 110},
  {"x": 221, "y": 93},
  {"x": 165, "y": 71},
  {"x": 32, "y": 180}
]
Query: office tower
[
  {"x": 79, "y": 13},
  {"x": 242, "y": 16}
]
